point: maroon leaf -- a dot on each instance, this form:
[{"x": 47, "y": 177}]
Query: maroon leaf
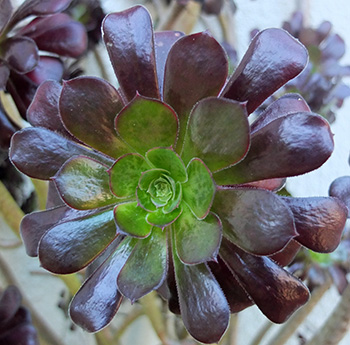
[
  {"x": 10, "y": 301},
  {"x": 5, "y": 13},
  {"x": 333, "y": 47},
  {"x": 236, "y": 296},
  {"x": 48, "y": 68},
  {"x": 39, "y": 152},
  {"x": 204, "y": 308},
  {"x": 273, "y": 184},
  {"x": 163, "y": 41},
  {"x": 340, "y": 188},
  {"x": 128, "y": 36},
  {"x": 97, "y": 301},
  {"x": 276, "y": 292},
  {"x": 87, "y": 119},
  {"x": 290, "y": 145},
  {"x": 287, "y": 104},
  {"x": 254, "y": 219},
  {"x": 43, "y": 111},
  {"x": 319, "y": 222},
  {"x": 4, "y": 75},
  {"x": 53, "y": 197},
  {"x": 21, "y": 53},
  {"x": 287, "y": 254},
  {"x": 70, "y": 246},
  {"x": 272, "y": 59},
  {"x": 198, "y": 60}
]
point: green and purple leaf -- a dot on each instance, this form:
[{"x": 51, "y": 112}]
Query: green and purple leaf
[
  {"x": 161, "y": 219},
  {"x": 146, "y": 267},
  {"x": 256, "y": 220},
  {"x": 147, "y": 123},
  {"x": 275, "y": 291},
  {"x": 319, "y": 221},
  {"x": 199, "y": 190},
  {"x": 131, "y": 220},
  {"x": 273, "y": 58},
  {"x": 129, "y": 40},
  {"x": 40, "y": 153},
  {"x": 97, "y": 301},
  {"x": 125, "y": 174},
  {"x": 290, "y": 145},
  {"x": 70, "y": 246},
  {"x": 85, "y": 118},
  {"x": 217, "y": 132},
  {"x": 144, "y": 200},
  {"x": 203, "y": 306},
  {"x": 167, "y": 159},
  {"x": 84, "y": 171},
  {"x": 197, "y": 241},
  {"x": 198, "y": 60}
]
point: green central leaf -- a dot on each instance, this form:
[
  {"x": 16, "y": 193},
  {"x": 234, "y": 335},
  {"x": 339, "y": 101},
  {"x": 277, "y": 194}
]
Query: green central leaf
[{"x": 150, "y": 175}]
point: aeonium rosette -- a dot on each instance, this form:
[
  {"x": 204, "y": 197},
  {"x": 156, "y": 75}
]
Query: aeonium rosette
[{"x": 166, "y": 185}]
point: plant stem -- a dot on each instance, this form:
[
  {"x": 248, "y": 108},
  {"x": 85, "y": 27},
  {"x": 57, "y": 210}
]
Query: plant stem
[
  {"x": 72, "y": 282},
  {"x": 175, "y": 10},
  {"x": 10, "y": 211},
  {"x": 294, "y": 322},
  {"x": 337, "y": 325},
  {"x": 100, "y": 64},
  {"x": 261, "y": 334},
  {"x": 152, "y": 310}
]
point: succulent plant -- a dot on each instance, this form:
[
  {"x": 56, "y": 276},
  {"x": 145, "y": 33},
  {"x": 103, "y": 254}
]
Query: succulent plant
[
  {"x": 15, "y": 320},
  {"x": 167, "y": 186}
]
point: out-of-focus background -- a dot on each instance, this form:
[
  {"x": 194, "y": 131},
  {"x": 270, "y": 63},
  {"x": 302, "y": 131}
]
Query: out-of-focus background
[{"x": 249, "y": 14}]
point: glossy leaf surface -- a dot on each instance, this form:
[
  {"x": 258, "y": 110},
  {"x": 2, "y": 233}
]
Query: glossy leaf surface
[
  {"x": 203, "y": 306},
  {"x": 147, "y": 123},
  {"x": 288, "y": 146},
  {"x": 87, "y": 119},
  {"x": 70, "y": 246},
  {"x": 319, "y": 222},
  {"x": 340, "y": 188},
  {"x": 125, "y": 174},
  {"x": 48, "y": 68},
  {"x": 287, "y": 104},
  {"x": 163, "y": 41},
  {"x": 287, "y": 254},
  {"x": 197, "y": 241},
  {"x": 276, "y": 292},
  {"x": 128, "y": 36},
  {"x": 21, "y": 53},
  {"x": 199, "y": 189},
  {"x": 161, "y": 219},
  {"x": 217, "y": 132},
  {"x": 131, "y": 220},
  {"x": 92, "y": 175},
  {"x": 40, "y": 153},
  {"x": 146, "y": 267},
  {"x": 97, "y": 301},
  {"x": 199, "y": 60},
  {"x": 272, "y": 59},
  {"x": 168, "y": 160},
  {"x": 256, "y": 220}
]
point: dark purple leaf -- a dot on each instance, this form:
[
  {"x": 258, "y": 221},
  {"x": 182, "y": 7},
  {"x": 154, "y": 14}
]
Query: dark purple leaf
[
  {"x": 287, "y": 254},
  {"x": 39, "y": 152},
  {"x": 97, "y": 301},
  {"x": 146, "y": 267},
  {"x": 58, "y": 34},
  {"x": 203, "y": 306},
  {"x": 85, "y": 118},
  {"x": 217, "y": 132},
  {"x": 340, "y": 188},
  {"x": 48, "y": 68},
  {"x": 236, "y": 296},
  {"x": 128, "y": 36},
  {"x": 43, "y": 111},
  {"x": 287, "y": 104},
  {"x": 273, "y": 184},
  {"x": 4, "y": 75},
  {"x": 10, "y": 301},
  {"x": 198, "y": 60},
  {"x": 5, "y": 13},
  {"x": 53, "y": 197},
  {"x": 70, "y": 246},
  {"x": 290, "y": 145},
  {"x": 338, "y": 275},
  {"x": 23, "y": 333},
  {"x": 163, "y": 41},
  {"x": 295, "y": 24},
  {"x": 21, "y": 53},
  {"x": 272, "y": 59},
  {"x": 276, "y": 292},
  {"x": 319, "y": 222},
  {"x": 333, "y": 47},
  {"x": 254, "y": 219}
]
